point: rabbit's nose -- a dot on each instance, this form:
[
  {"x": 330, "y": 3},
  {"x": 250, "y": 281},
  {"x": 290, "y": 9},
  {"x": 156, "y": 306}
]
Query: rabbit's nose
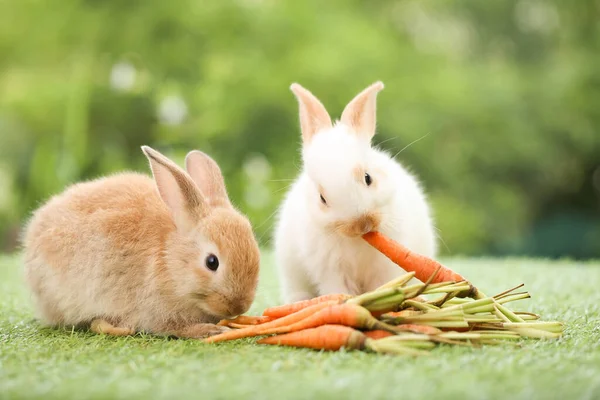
[
  {"x": 238, "y": 307},
  {"x": 366, "y": 223},
  {"x": 361, "y": 225}
]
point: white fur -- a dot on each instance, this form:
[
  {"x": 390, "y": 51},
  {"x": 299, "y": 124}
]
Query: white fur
[{"x": 314, "y": 260}]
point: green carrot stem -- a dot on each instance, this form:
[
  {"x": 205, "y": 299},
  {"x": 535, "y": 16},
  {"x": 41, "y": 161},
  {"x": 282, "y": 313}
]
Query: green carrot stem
[
  {"x": 438, "y": 339},
  {"x": 390, "y": 303},
  {"x": 536, "y": 333},
  {"x": 469, "y": 306},
  {"x": 487, "y": 326},
  {"x": 445, "y": 324},
  {"x": 494, "y": 331},
  {"x": 476, "y": 293},
  {"x": 527, "y": 316},
  {"x": 369, "y": 297},
  {"x": 509, "y": 314},
  {"x": 513, "y": 297},
  {"x": 456, "y": 300},
  {"x": 414, "y": 289},
  {"x": 432, "y": 315},
  {"x": 490, "y": 319},
  {"x": 554, "y": 327},
  {"x": 488, "y": 308},
  {"x": 478, "y": 335},
  {"x": 500, "y": 314},
  {"x": 448, "y": 289},
  {"x": 502, "y": 294},
  {"x": 420, "y": 306},
  {"x": 443, "y": 300},
  {"x": 398, "y": 282}
]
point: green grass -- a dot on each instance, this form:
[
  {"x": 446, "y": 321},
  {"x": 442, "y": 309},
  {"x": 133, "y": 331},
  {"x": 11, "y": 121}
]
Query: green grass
[{"x": 37, "y": 362}]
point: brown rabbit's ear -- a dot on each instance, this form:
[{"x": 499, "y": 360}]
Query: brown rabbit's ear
[
  {"x": 205, "y": 173},
  {"x": 360, "y": 113},
  {"x": 176, "y": 189},
  {"x": 313, "y": 116}
]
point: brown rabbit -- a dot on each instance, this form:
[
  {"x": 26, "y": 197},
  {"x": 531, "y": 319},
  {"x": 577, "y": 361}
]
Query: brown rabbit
[{"x": 120, "y": 256}]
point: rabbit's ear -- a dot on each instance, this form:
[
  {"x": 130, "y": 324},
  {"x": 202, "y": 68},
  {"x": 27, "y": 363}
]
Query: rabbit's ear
[
  {"x": 177, "y": 190},
  {"x": 313, "y": 116},
  {"x": 360, "y": 113},
  {"x": 205, "y": 173}
]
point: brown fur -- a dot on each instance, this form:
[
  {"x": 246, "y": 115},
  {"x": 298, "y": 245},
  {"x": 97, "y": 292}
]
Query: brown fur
[
  {"x": 358, "y": 226},
  {"x": 110, "y": 250}
]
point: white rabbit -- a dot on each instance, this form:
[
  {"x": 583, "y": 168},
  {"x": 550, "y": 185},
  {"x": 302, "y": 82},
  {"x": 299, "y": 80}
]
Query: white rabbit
[{"x": 346, "y": 188}]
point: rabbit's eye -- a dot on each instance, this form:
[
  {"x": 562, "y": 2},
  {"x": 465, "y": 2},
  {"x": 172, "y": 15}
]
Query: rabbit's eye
[
  {"x": 212, "y": 262},
  {"x": 368, "y": 179},
  {"x": 323, "y": 199}
]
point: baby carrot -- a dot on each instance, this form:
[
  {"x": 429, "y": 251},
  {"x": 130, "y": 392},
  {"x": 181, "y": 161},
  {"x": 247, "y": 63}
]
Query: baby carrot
[
  {"x": 238, "y": 326},
  {"x": 287, "y": 309},
  {"x": 346, "y": 314},
  {"x": 325, "y": 337},
  {"x": 422, "y": 266},
  {"x": 376, "y": 334},
  {"x": 401, "y": 314},
  {"x": 246, "y": 320},
  {"x": 257, "y": 329},
  {"x": 334, "y": 337},
  {"x": 424, "y": 329}
]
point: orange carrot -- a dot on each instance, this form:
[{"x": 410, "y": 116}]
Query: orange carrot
[
  {"x": 377, "y": 334},
  {"x": 238, "y": 326},
  {"x": 424, "y": 329},
  {"x": 346, "y": 314},
  {"x": 287, "y": 309},
  {"x": 422, "y": 266},
  {"x": 246, "y": 320},
  {"x": 401, "y": 314},
  {"x": 256, "y": 330},
  {"x": 325, "y": 337}
]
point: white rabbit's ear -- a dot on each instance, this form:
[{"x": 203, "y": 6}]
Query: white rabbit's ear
[
  {"x": 205, "y": 172},
  {"x": 313, "y": 115},
  {"x": 176, "y": 189},
  {"x": 360, "y": 113}
]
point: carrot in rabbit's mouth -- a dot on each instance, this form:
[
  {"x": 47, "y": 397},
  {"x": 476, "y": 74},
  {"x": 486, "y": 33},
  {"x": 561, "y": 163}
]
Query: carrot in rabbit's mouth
[{"x": 422, "y": 266}]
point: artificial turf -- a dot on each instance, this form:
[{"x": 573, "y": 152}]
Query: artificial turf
[{"x": 38, "y": 362}]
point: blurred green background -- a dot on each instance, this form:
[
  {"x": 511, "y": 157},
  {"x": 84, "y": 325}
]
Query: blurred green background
[{"x": 504, "y": 95}]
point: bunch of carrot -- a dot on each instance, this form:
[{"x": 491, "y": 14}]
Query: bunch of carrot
[{"x": 395, "y": 318}]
